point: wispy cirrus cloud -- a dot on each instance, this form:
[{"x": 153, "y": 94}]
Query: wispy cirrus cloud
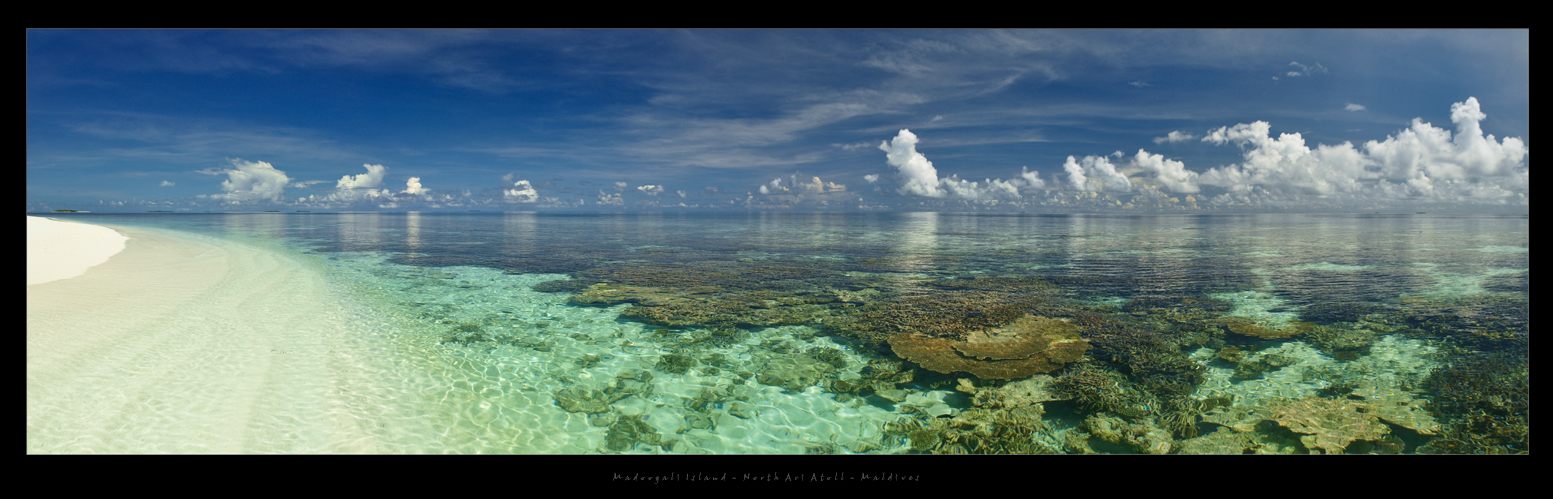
[{"x": 196, "y": 140}]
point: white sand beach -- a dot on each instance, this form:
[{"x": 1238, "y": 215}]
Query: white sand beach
[
  {"x": 182, "y": 345},
  {"x": 60, "y": 250}
]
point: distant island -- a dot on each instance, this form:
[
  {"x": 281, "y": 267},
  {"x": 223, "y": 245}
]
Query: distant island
[
  {"x": 71, "y": 211},
  {"x": 159, "y": 211},
  {"x": 272, "y": 211}
]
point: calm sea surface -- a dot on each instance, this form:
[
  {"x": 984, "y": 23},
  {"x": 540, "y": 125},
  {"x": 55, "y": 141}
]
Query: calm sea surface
[{"x": 928, "y": 332}]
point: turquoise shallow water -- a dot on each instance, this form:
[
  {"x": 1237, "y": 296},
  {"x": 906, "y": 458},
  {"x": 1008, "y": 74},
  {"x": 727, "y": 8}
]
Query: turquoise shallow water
[{"x": 786, "y": 332}]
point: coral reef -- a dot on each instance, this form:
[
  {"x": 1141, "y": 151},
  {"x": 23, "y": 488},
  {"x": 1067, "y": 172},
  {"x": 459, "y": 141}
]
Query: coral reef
[
  {"x": 1097, "y": 387},
  {"x": 864, "y": 295},
  {"x": 882, "y": 376},
  {"x": 1228, "y": 441},
  {"x": 580, "y": 399},
  {"x": 1003, "y": 419},
  {"x": 1159, "y": 377},
  {"x": 947, "y": 309},
  {"x": 793, "y": 371},
  {"x": 1252, "y": 367},
  {"x": 1397, "y": 407},
  {"x": 709, "y": 276},
  {"x": 1120, "y": 360},
  {"x": 1329, "y": 425},
  {"x": 627, "y": 431},
  {"x": 1027, "y": 346},
  {"x": 1032, "y": 390},
  {"x": 1247, "y": 326},
  {"x": 1343, "y": 341},
  {"x": 1143, "y": 438},
  {"x": 1331, "y": 312},
  {"x": 1485, "y": 399},
  {"x": 1008, "y": 429},
  {"x": 705, "y": 306},
  {"x": 1485, "y": 322},
  {"x": 1242, "y": 418},
  {"x": 675, "y": 363}
]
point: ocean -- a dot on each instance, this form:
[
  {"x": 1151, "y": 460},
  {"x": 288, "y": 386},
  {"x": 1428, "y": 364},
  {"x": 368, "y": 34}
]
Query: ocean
[{"x": 873, "y": 333}]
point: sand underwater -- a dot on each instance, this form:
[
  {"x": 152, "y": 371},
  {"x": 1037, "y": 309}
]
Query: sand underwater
[{"x": 787, "y": 333}]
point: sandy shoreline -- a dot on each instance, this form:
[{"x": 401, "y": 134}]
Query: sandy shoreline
[
  {"x": 61, "y": 250},
  {"x": 187, "y": 345}
]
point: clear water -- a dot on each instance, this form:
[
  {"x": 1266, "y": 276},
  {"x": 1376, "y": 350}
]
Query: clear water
[{"x": 1431, "y": 307}]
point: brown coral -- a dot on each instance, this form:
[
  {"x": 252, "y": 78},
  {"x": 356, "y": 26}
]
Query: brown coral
[
  {"x": 1399, "y": 408},
  {"x": 1030, "y": 391},
  {"x": 1248, "y": 327},
  {"x": 1227, "y": 441},
  {"x": 1029, "y": 345},
  {"x": 948, "y": 309},
  {"x": 1329, "y": 425},
  {"x": 1144, "y": 438},
  {"x": 703, "y": 305},
  {"x": 1241, "y": 418}
]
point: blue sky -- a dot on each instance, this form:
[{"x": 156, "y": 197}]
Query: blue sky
[{"x": 957, "y": 120}]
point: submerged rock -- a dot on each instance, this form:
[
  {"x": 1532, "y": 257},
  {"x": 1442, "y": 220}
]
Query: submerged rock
[
  {"x": 794, "y": 371},
  {"x": 589, "y": 401},
  {"x": 627, "y": 431},
  {"x": 675, "y": 363}
]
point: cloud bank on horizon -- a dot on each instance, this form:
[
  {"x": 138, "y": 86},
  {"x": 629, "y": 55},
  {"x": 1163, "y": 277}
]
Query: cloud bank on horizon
[
  {"x": 1419, "y": 164},
  {"x": 1014, "y": 120},
  {"x": 1422, "y": 163}
]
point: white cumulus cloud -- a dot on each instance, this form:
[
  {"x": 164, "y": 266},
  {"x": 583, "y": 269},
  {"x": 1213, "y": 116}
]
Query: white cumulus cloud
[
  {"x": 1032, "y": 178},
  {"x": 521, "y": 192},
  {"x": 1353, "y": 107},
  {"x": 371, "y": 180},
  {"x": 1174, "y": 136},
  {"x": 1284, "y": 164},
  {"x": 918, "y": 177},
  {"x": 413, "y": 187},
  {"x": 1423, "y": 149},
  {"x": 1170, "y": 173},
  {"x": 352, "y": 188},
  {"x": 250, "y": 181},
  {"x": 1421, "y": 163},
  {"x": 1096, "y": 168}
]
